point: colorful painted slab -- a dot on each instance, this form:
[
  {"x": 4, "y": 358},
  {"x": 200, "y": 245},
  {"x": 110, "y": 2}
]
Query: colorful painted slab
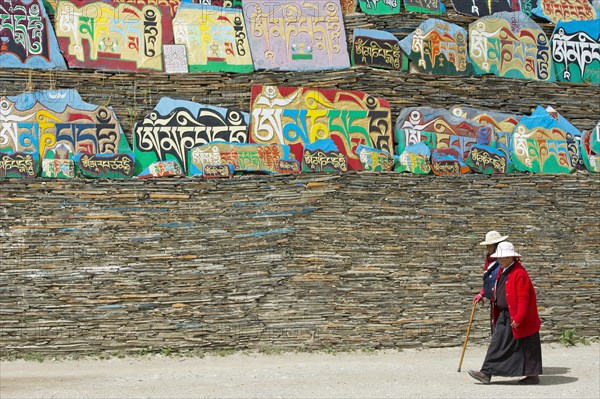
[
  {"x": 288, "y": 166},
  {"x": 113, "y": 36},
  {"x": 301, "y": 116},
  {"x": 488, "y": 160},
  {"x": 540, "y": 145},
  {"x": 576, "y": 51},
  {"x": 296, "y": 35},
  {"x": 503, "y": 143},
  {"x": 215, "y": 38},
  {"x": 174, "y": 127},
  {"x": 58, "y": 168},
  {"x": 439, "y": 129},
  {"x": 565, "y": 10},
  {"x": 161, "y": 169},
  {"x": 527, "y": 6},
  {"x": 447, "y": 161},
  {"x": 377, "y": 49},
  {"x": 323, "y": 156},
  {"x": 425, "y": 6},
  {"x": 568, "y": 128},
  {"x": 243, "y": 157},
  {"x": 217, "y": 171},
  {"x": 19, "y": 164},
  {"x": 501, "y": 122},
  {"x": 379, "y": 7},
  {"x": 27, "y": 39},
  {"x": 482, "y": 8},
  {"x": 438, "y": 47},
  {"x": 414, "y": 159},
  {"x": 374, "y": 160},
  {"x": 510, "y": 44},
  {"x": 590, "y": 149},
  {"x": 57, "y": 124},
  {"x": 105, "y": 166}
]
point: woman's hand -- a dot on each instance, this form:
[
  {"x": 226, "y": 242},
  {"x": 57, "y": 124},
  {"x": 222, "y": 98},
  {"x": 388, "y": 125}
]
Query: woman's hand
[{"x": 514, "y": 324}]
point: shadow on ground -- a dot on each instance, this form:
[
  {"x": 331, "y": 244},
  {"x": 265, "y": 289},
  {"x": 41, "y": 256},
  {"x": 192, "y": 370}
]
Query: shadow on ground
[{"x": 551, "y": 376}]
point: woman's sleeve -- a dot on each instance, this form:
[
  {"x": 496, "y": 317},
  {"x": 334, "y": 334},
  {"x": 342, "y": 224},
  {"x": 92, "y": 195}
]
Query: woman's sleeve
[{"x": 522, "y": 287}]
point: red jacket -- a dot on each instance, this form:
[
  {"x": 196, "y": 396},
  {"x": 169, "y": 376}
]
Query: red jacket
[{"x": 522, "y": 302}]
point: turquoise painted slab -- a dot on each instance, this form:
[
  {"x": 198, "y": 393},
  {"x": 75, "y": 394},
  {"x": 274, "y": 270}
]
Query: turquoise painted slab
[
  {"x": 379, "y": 7},
  {"x": 414, "y": 159},
  {"x": 540, "y": 145},
  {"x": 576, "y": 51}
]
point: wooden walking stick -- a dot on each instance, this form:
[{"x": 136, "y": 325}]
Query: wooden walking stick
[{"x": 467, "y": 337}]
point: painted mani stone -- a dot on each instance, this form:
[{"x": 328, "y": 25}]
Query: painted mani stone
[
  {"x": 174, "y": 127},
  {"x": 296, "y": 35},
  {"x": 377, "y": 49},
  {"x": 510, "y": 44},
  {"x": 113, "y": 36},
  {"x": 215, "y": 38},
  {"x": 438, "y": 47},
  {"x": 27, "y": 39},
  {"x": 298, "y": 117},
  {"x": 576, "y": 51}
]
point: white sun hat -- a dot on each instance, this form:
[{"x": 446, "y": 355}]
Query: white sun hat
[
  {"x": 493, "y": 237},
  {"x": 505, "y": 250}
]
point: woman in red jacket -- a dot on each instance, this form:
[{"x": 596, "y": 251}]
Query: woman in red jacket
[{"x": 515, "y": 349}]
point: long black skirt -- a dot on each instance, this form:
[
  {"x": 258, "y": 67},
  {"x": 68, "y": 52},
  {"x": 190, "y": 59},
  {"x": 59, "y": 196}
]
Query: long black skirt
[{"x": 509, "y": 357}]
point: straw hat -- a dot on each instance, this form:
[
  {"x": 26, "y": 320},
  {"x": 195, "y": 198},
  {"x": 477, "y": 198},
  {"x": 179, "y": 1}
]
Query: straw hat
[
  {"x": 505, "y": 250},
  {"x": 493, "y": 237}
]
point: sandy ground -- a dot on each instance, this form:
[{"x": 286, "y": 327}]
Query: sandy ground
[{"x": 432, "y": 373}]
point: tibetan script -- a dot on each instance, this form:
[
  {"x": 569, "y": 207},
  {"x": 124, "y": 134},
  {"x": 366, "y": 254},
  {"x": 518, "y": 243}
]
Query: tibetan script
[
  {"x": 296, "y": 35},
  {"x": 301, "y": 116}
]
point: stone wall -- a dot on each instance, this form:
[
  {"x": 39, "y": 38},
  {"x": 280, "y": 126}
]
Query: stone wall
[
  {"x": 359, "y": 260},
  {"x": 134, "y": 95}
]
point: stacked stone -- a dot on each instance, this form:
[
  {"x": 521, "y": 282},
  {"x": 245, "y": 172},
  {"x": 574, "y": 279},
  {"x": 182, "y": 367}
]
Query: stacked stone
[{"x": 374, "y": 260}]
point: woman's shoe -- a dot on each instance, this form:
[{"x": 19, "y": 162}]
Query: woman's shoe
[
  {"x": 480, "y": 376},
  {"x": 530, "y": 380}
]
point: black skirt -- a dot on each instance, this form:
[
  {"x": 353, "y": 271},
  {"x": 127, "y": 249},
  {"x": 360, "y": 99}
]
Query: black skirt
[{"x": 509, "y": 357}]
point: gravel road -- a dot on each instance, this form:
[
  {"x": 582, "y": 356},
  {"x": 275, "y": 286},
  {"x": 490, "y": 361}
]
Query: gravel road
[{"x": 430, "y": 373}]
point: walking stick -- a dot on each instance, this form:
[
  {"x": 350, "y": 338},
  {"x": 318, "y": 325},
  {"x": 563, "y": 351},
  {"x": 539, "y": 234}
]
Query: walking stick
[{"x": 467, "y": 337}]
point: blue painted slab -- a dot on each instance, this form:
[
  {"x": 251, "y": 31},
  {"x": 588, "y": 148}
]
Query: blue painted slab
[{"x": 576, "y": 51}]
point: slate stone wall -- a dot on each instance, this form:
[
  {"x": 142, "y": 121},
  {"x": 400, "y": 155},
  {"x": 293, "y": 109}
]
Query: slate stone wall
[
  {"x": 313, "y": 261},
  {"x": 359, "y": 260}
]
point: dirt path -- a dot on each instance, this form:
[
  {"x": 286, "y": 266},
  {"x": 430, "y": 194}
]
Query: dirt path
[{"x": 568, "y": 373}]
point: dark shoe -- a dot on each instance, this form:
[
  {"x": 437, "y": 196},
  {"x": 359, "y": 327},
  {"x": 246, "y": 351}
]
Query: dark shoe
[
  {"x": 531, "y": 380},
  {"x": 481, "y": 377}
]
